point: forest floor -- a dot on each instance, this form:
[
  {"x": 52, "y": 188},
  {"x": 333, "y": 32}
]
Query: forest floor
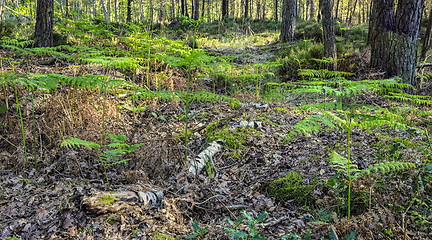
[{"x": 45, "y": 201}]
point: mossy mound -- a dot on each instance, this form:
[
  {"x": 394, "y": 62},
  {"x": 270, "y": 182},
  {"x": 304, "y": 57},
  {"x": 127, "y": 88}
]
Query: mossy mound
[{"x": 289, "y": 187}]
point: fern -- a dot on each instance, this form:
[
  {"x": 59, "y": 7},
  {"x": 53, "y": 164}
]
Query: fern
[
  {"x": 414, "y": 99},
  {"x": 309, "y": 125},
  {"x": 342, "y": 164}
]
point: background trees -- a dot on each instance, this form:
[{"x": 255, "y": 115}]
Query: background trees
[{"x": 289, "y": 14}]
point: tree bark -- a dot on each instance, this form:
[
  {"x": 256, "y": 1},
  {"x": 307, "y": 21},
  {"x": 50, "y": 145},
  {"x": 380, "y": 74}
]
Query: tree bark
[
  {"x": 276, "y": 10},
  {"x": 44, "y": 23},
  {"x": 246, "y": 13},
  {"x": 104, "y": 11},
  {"x": 311, "y": 10},
  {"x": 196, "y": 10},
  {"x": 129, "y": 11},
  {"x": 427, "y": 37},
  {"x": 116, "y": 10},
  {"x": 393, "y": 36},
  {"x": 289, "y": 14},
  {"x": 94, "y": 9},
  {"x": 225, "y": 9},
  {"x": 326, "y": 9}
]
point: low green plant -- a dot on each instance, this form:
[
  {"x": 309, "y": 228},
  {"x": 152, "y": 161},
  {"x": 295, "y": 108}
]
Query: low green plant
[
  {"x": 109, "y": 154},
  {"x": 198, "y": 233},
  {"x": 251, "y": 232}
]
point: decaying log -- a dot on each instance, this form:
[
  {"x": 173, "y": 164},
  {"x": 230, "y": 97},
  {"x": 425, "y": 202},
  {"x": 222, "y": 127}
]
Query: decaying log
[
  {"x": 105, "y": 202},
  {"x": 197, "y": 164}
]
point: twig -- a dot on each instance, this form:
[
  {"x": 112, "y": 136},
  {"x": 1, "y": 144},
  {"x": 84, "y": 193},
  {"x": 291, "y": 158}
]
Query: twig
[
  {"x": 274, "y": 222},
  {"x": 208, "y": 199},
  {"x": 237, "y": 206}
]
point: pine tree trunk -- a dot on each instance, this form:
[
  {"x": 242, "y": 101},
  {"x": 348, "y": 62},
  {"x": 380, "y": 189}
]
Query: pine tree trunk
[
  {"x": 196, "y": 10},
  {"x": 258, "y": 9},
  {"x": 94, "y": 9},
  {"x": 246, "y": 13},
  {"x": 326, "y": 9},
  {"x": 224, "y": 9},
  {"x": 202, "y": 8},
  {"x": 276, "y": 10},
  {"x": 393, "y": 36},
  {"x": 427, "y": 37},
  {"x": 104, "y": 11},
  {"x": 116, "y": 10},
  {"x": 289, "y": 13},
  {"x": 311, "y": 10},
  {"x": 44, "y": 23},
  {"x": 352, "y": 12}
]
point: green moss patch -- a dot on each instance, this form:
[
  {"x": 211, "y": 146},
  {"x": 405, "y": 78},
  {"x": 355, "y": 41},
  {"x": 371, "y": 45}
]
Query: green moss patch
[
  {"x": 107, "y": 199},
  {"x": 289, "y": 187}
]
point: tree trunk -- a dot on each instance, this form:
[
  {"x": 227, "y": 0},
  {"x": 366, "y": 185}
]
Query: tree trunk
[
  {"x": 104, "y": 11},
  {"x": 196, "y": 10},
  {"x": 289, "y": 13},
  {"x": 326, "y": 9},
  {"x": 116, "y": 10},
  {"x": 337, "y": 9},
  {"x": 129, "y": 11},
  {"x": 142, "y": 11},
  {"x": 311, "y": 10},
  {"x": 352, "y": 12},
  {"x": 393, "y": 36},
  {"x": 276, "y": 10},
  {"x": 264, "y": 10},
  {"x": 202, "y": 8},
  {"x": 246, "y": 13},
  {"x": 94, "y": 9},
  {"x": 258, "y": 14},
  {"x": 225, "y": 9},
  {"x": 427, "y": 37},
  {"x": 151, "y": 12},
  {"x": 44, "y": 23}
]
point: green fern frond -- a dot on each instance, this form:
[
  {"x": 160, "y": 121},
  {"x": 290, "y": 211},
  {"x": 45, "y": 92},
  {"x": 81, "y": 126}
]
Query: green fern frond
[
  {"x": 342, "y": 164},
  {"x": 320, "y": 106},
  {"x": 72, "y": 142},
  {"x": 386, "y": 167},
  {"x": 414, "y": 99},
  {"x": 309, "y": 125}
]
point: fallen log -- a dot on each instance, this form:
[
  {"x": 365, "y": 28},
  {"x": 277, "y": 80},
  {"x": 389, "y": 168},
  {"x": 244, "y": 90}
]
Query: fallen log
[{"x": 108, "y": 202}]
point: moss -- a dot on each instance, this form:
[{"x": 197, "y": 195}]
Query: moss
[
  {"x": 210, "y": 129},
  {"x": 107, "y": 199},
  {"x": 236, "y": 155},
  {"x": 235, "y": 105},
  {"x": 291, "y": 186},
  {"x": 281, "y": 110},
  {"x": 234, "y": 139},
  {"x": 161, "y": 236},
  {"x": 183, "y": 135}
]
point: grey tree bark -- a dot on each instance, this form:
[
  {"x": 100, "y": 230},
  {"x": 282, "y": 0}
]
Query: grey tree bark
[
  {"x": 104, "y": 11},
  {"x": 44, "y": 23},
  {"x": 393, "y": 36},
  {"x": 311, "y": 10},
  {"x": 327, "y": 20},
  {"x": 289, "y": 14},
  {"x": 94, "y": 9}
]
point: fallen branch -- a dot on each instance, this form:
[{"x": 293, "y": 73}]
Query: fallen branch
[{"x": 103, "y": 202}]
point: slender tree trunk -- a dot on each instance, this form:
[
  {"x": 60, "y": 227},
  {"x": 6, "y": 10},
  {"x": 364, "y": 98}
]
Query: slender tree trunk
[
  {"x": 352, "y": 12},
  {"x": 251, "y": 8},
  {"x": 2, "y": 2},
  {"x": 142, "y": 11},
  {"x": 151, "y": 12},
  {"x": 337, "y": 9},
  {"x": 393, "y": 36},
  {"x": 186, "y": 8},
  {"x": 196, "y": 10},
  {"x": 258, "y": 9},
  {"x": 326, "y": 9},
  {"x": 129, "y": 11},
  {"x": 427, "y": 37},
  {"x": 116, "y": 7},
  {"x": 289, "y": 14},
  {"x": 105, "y": 13},
  {"x": 311, "y": 10},
  {"x": 246, "y": 12},
  {"x": 94, "y": 9},
  {"x": 276, "y": 16},
  {"x": 225, "y": 5},
  {"x": 44, "y": 23},
  {"x": 202, "y": 8},
  {"x": 264, "y": 10}
]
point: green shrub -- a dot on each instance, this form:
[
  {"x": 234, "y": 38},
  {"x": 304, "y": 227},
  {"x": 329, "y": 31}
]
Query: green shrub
[{"x": 289, "y": 187}]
